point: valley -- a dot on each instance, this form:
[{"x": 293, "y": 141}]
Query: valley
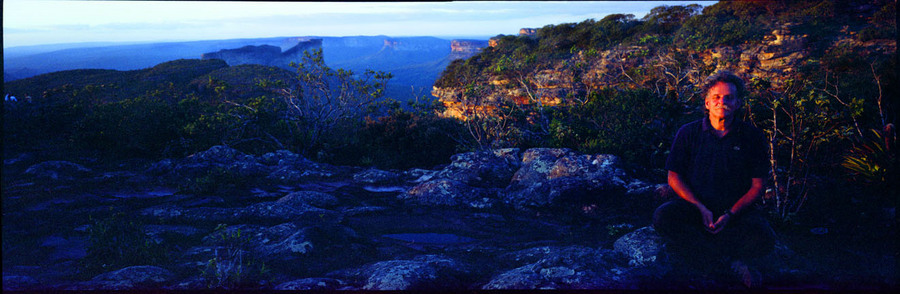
[{"x": 415, "y": 62}]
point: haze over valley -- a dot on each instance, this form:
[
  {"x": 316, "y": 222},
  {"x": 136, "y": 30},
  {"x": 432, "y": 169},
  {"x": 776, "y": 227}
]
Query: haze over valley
[{"x": 415, "y": 62}]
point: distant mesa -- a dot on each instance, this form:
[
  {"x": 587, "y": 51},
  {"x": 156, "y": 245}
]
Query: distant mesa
[
  {"x": 289, "y": 43},
  {"x": 291, "y": 50},
  {"x": 462, "y": 49}
]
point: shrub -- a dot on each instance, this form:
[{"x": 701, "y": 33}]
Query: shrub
[
  {"x": 874, "y": 164},
  {"x": 116, "y": 242},
  {"x": 232, "y": 267},
  {"x": 133, "y": 127},
  {"x": 403, "y": 139},
  {"x": 634, "y": 124}
]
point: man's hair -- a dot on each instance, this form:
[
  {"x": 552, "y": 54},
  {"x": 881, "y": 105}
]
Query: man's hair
[{"x": 726, "y": 77}]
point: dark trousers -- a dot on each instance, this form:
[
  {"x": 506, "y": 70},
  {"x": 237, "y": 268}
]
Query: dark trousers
[{"x": 746, "y": 236}]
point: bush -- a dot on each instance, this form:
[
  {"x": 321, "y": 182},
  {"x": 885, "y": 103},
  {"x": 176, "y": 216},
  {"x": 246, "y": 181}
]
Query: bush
[
  {"x": 115, "y": 243},
  {"x": 140, "y": 127},
  {"x": 723, "y": 24},
  {"x": 634, "y": 124},
  {"x": 873, "y": 164},
  {"x": 405, "y": 139},
  {"x": 232, "y": 267}
]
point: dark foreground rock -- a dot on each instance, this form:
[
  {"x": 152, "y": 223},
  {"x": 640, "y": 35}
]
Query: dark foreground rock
[{"x": 220, "y": 219}]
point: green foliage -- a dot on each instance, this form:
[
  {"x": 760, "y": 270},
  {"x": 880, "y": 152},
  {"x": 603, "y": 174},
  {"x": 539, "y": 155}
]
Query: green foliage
[
  {"x": 116, "y": 242},
  {"x": 404, "y": 139},
  {"x": 727, "y": 23},
  {"x": 232, "y": 267},
  {"x": 556, "y": 41},
  {"x": 108, "y": 113},
  {"x": 328, "y": 105},
  {"x": 875, "y": 165},
  {"x": 884, "y": 24},
  {"x": 633, "y": 124},
  {"x": 665, "y": 20},
  {"x": 618, "y": 229},
  {"x": 133, "y": 127}
]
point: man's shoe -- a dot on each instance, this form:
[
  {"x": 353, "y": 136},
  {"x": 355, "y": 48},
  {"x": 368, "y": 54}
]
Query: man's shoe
[{"x": 750, "y": 278}]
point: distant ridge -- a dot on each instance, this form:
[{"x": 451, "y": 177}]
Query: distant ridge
[{"x": 266, "y": 54}]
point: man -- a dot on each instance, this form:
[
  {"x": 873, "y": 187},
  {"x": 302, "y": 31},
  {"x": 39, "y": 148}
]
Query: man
[{"x": 717, "y": 167}]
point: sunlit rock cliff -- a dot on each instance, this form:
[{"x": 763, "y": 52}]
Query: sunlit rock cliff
[
  {"x": 462, "y": 49},
  {"x": 667, "y": 72}
]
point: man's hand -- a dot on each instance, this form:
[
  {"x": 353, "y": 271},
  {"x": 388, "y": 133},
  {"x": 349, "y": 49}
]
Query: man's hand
[
  {"x": 720, "y": 224},
  {"x": 707, "y": 217}
]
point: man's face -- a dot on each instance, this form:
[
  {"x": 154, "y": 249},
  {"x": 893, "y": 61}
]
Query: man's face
[{"x": 721, "y": 100}]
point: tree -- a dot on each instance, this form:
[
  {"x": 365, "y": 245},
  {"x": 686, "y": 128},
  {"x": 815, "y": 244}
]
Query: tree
[
  {"x": 801, "y": 123},
  {"x": 665, "y": 19},
  {"x": 327, "y": 101}
]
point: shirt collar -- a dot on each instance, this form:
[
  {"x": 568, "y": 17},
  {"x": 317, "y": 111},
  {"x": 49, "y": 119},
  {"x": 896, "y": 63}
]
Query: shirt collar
[{"x": 735, "y": 125}]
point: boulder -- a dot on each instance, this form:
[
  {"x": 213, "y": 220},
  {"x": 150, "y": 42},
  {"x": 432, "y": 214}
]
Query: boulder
[
  {"x": 284, "y": 246},
  {"x": 314, "y": 284},
  {"x": 374, "y": 176},
  {"x": 286, "y": 167},
  {"x": 220, "y": 161},
  {"x": 286, "y": 239},
  {"x": 246, "y": 167},
  {"x": 290, "y": 209},
  {"x": 484, "y": 169},
  {"x": 572, "y": 267},
  {"x": 129, "y": 278},
  {"x": 448, "y": 192},
  {"x": 294, "y": 174},
  {"x": 57, "y": 170},
  {"x": 176, "y": 214},
  {"x": 641, "y": 247},
  {"x": 280, "y": 212},
  {"x": 161, "y": 167},
  {"x": 425, "y": 272},
  {"x": 559, "y": 177},
  {"x": 537, "y": 163},
  {"x": 19, "y": 283},
  {"x": 283, "y": 158},
  {"x": 19, "y": 161},
  {"x": 544, "y": 177},
  {"x": 162, "y": 233},
  {"x": 215, "y": 154},
  {"x": 308, "y": 198}
]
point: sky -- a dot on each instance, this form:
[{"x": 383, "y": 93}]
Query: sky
[{"x": 30, "y": 22}]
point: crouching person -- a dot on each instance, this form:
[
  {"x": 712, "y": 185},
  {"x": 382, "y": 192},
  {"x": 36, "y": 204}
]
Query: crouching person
[{"x": 717, "y": 167}]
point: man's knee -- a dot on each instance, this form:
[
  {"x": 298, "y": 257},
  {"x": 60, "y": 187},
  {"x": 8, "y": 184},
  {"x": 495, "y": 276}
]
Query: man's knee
[
  {"x": 759, "y": 237},
  {"x": 671, "y": 215}
]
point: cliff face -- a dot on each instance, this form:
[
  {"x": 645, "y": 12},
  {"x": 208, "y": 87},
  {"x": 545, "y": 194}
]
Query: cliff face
[
  {"x": 462, "y": 49},
  {"x": 493, "y": 42},
  {"x": 527, "y": 32},
  {"x": 776, "y": 57},
  {"x": 267, "y": 54}
]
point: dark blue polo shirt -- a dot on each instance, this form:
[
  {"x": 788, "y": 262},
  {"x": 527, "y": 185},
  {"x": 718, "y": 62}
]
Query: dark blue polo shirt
[{"x": 719, "y": 170}]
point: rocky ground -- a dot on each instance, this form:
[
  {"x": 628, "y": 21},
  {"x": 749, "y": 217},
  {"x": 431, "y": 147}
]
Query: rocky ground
[{"x": 502, "y": 219}]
